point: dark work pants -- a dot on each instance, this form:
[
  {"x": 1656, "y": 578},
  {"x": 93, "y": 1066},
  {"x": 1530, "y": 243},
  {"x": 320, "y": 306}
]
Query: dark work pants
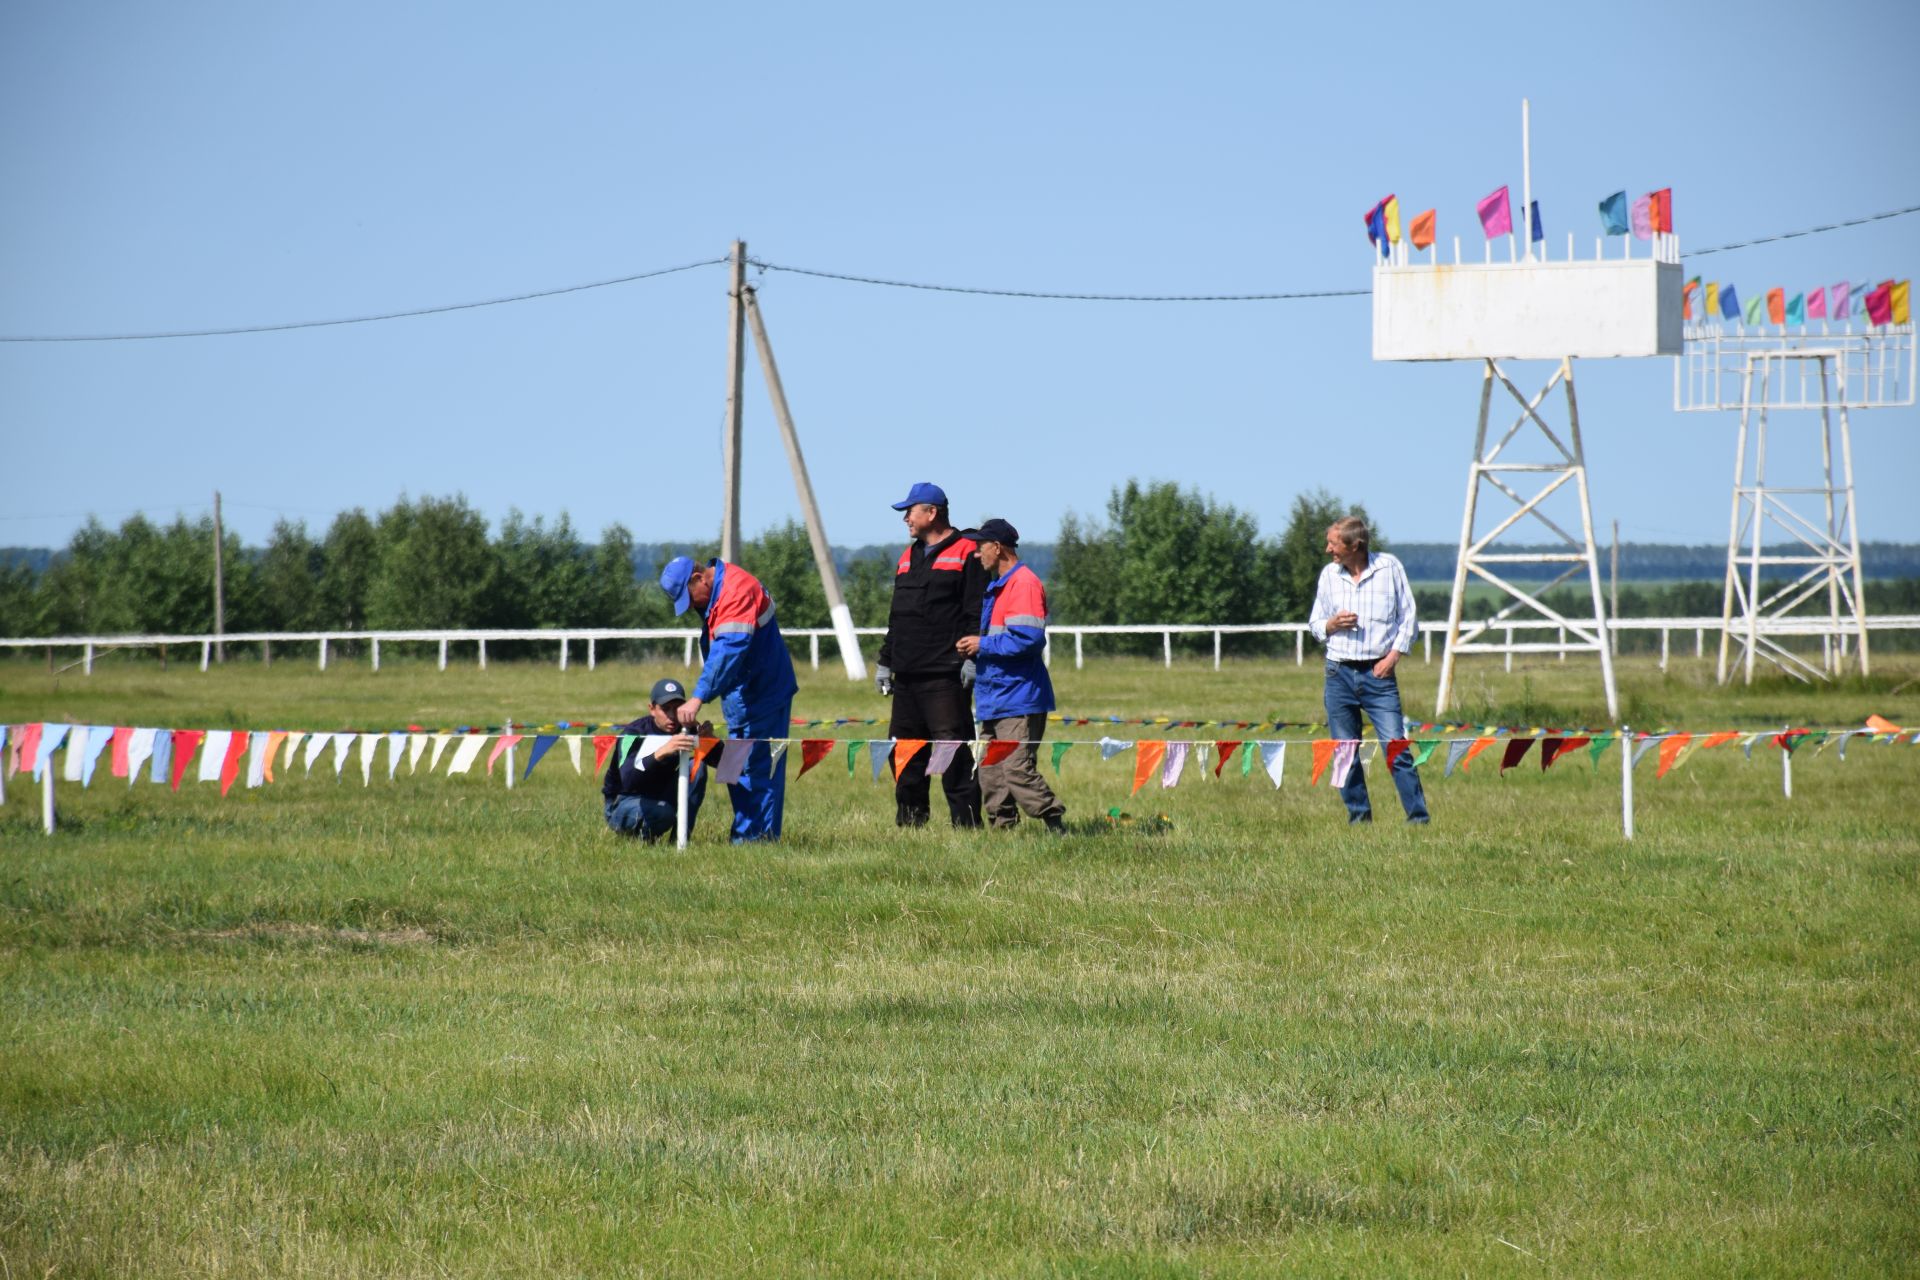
[{"x": 937, "y": 709}]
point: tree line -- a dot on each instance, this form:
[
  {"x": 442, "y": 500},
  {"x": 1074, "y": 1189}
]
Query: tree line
[{"x": 1160, "y": 553}]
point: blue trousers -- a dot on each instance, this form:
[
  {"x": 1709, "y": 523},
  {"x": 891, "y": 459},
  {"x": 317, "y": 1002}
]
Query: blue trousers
[
  {"x": 760, "y": 797},
  {"x": 1351, "y": 690},
  {"x": 650, "y": 819}
]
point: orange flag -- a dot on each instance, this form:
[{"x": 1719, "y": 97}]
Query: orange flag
[
  {"x": 274, "y": 740},
  {"x": 1715, "y": 740},
  {"x": 812, "y": 752},
  {"x": 904, "y": 749},
  {"x": 998, "y": 750},
  {"x": 1880, "y": 724},
  {"x": 1323, "y": 749},
  {"x": 1149, "y": 754},
  {"x": 703, "y": 748},
  {"x": 1777, "y": 305},
  {"x": 1421, "y": 230},
  {"x": 1479, "y": 745},
  {"x": 1224, "y": 750},
  {"x": 1669, "y": 751}
]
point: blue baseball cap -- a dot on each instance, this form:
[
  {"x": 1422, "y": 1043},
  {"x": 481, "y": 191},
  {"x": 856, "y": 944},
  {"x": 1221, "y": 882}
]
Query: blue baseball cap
[
  {"x": 668, "y": 690},
  {"x": 926, "y": 491},
  {"x": 673, "y": 581}
]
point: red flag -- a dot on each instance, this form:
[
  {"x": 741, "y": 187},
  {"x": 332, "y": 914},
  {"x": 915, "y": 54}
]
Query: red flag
[
  {"x": 904, "y": 750},
  {"x": 1224, "y": 750},
  {"x": 29, "y": 745},
  {"x": 812, "y": 752},
  {"x": 602, "y": 745},
  {"x": 1660, "y": 209},
  {"x": 1395, "y": 747},
  {"x": 1880, "y": 303},
  {"x": 1560, "y": 747},
  {"x": 121, "y": 736},
  {"x": 1516, "y": 750},
  {"x": 185, "y": 743},
  {"x": 505, "y": 741},
  {"x": 997, "y": 750},
  {"x": 1150, "y": 754},
  {"x": 230, "y": 767},
  {"x": 1669, "y": 751},
  {"x": 1323, "y": 749}
]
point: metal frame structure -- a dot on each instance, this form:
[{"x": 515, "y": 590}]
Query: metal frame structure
[
  {"x": 1489, "y": 469},
  {"x": 1815, "y": 526}
]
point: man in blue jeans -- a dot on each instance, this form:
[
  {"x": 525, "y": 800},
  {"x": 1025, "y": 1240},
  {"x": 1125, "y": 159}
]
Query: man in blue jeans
[
  {"x": 642, "y": 791},
  {"x": 1363, "y": 612}
]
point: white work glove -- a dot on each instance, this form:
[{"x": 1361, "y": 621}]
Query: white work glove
[
  {"x": 883, "y": 680},
  {"x": 966, "y": 674}
]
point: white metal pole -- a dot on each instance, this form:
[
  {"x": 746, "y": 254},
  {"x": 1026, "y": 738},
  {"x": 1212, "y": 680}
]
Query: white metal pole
[
  {"x": 1786, "y": 765},
  {"x": 1626, "y": 780},
  {"x": 730, "y": 430},
  {"x": 509, "y": 728},
  {"x": 680, "y": 800},
  {"x": 1526, "y": 177},
  {"x": 46, "y": 798}
]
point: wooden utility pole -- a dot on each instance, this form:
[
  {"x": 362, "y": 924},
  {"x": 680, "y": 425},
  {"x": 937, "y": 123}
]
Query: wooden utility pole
[
  {"x": 730, "y": 441},
  {"x": 1613, "y": 592},
  {"x": 219, "y": 585},
  {"x": 837, "y": 610}
]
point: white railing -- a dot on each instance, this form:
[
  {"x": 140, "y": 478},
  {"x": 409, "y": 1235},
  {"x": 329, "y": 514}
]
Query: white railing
[{"x": 91, "y": 647}]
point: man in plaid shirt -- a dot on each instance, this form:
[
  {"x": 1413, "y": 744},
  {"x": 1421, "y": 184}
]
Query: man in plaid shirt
[{"x": 1363, "y": 612}]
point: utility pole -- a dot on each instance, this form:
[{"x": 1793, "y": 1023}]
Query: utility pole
[
  {"x": 842, "y": 616},
  {"x": 219, "y": 585},
  {"x": 1613, "y": 591},
  {"x": 730, "y": 440}
]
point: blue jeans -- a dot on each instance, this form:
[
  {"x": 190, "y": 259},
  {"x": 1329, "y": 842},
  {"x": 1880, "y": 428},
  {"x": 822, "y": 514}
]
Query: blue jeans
[
  {"x": 1351, "y": 690},
  {"x": 650, "y": 819}
]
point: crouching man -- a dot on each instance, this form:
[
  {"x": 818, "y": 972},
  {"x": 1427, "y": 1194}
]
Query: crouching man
[{"x": 642, "y": 791}]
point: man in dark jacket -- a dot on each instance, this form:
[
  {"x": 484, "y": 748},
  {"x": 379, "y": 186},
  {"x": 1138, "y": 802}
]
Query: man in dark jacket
[
  {"x": 642, "y": 790},
  {"x": 937, "y": 588}
]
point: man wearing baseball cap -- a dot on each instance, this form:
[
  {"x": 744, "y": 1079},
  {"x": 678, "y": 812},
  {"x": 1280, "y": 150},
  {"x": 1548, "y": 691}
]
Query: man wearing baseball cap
[
  {"x": 1014, "y": 692},
  {"x": 642, "y": 790},
  {"x": 746, "y": 665},
  {"x": 936, "y": 599}
]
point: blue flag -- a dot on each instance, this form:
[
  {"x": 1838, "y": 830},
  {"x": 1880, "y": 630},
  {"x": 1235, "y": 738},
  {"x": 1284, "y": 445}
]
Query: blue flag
[
  {"x": 1797, "y": 309},
  {"x": 1729, "y": 303},
  {"x": 1377, "y": 227},
  {"x": 1534, "y": 213},
  {"x": 1613, "y": 214}
]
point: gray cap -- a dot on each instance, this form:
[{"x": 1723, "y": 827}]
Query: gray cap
[{"x": 668, "y": 690}]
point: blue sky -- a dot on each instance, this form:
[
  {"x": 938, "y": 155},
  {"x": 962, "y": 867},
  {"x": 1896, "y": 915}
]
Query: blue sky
[{"x": 208, "y": 165}]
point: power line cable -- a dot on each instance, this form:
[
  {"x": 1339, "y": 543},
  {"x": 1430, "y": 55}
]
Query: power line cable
[
  {"x": 1068, "y": 297},
  {"x": 387, "y": 315},
  {"x": 1809, "y": 231}
]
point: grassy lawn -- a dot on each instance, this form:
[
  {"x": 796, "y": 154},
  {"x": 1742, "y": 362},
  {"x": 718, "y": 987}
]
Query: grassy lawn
[{"x": 434, "y": 1027}]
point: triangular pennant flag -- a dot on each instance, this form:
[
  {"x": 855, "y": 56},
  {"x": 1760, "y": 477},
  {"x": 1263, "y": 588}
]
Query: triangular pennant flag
[
  {"x": 1273, "y": 757},
  {"x": 1423, "y": 751},
  {"x": 1879, "y": 724},
  {"x": 623, "y": 749},
  {"x": 706, "y": 751},
  {"x": 904, "y": 750},
  {"x": 1840, "y": 738},
  {"x": 542, "y": 743},
  {"x": 1670, "y": 751},
  {"x": 880, "y": 755},
  {"x": 160, "y": 769},
  {"x": 573, "y": 750},
  {"x": 139, "y": 749},
  {"x": 1111, "y": 747},
  {"x": 1455, "y": 750},
  {"x": 502, "y": 745},
  {"x": 259, "y": 755},
  {"x": 1646, "y": 743},
  {"x": 416, "y": 747},
  {"x": 185, "y": 742},
  {"x": 1346, "y": 753},
  {"x": 316, "y": 743},
  {"x": 777, "y": 754},
  {"x": 291, "y": 749},
  {"x": 1395, "y": 746},
  {"x": 602, "y": 744},
  {"x": 1717, "y": 739},
  {"x": 121, "y": 738},
  {"x": 997, "y": 750},
  {"x": 274, "y": 739},
  {"x": 466, "y": 753},
  {"x": 1060, "y": 750},
  {"x": 230, "y": 766},
  {"x": 1479, "y": 745},
  {"x": 812, "y": 752},
  {"x": 396, "y": 747},
  {"x": 1599, "y": 748},
  {"x": 1566, "y": 748},
  {"x": 853, "y": 752},
  {"x": 369, "y": 743},
  {"x": 943, "y": 753},
  {"x": 214, "y": 757},
  {"x": 1247, "y": 753},
  {"x": 1323, "y": 749},
  {"x": 733, "y": 760},
  {"x": 1175, "y": 764},
  {"x": 342, "y": 744},
  {"x": 99, "y": 738},
  {"x": 1150, "y": 753},
  {"x": 1225, "y": 750},
  {"x": 31, "y": 736},
  {"x": 74, "y": 770},
  {"x": 1549, "y": 748}
]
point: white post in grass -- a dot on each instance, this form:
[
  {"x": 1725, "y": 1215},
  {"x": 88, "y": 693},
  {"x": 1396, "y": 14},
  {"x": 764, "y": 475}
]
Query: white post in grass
[
  {"x": 680, "y": 800},
  {"x": 46, "y": 798},
  {"x": 1626, "y": 780},
  {"x": 1786, "y": 763},
  {"x": 509, "y": 728}
]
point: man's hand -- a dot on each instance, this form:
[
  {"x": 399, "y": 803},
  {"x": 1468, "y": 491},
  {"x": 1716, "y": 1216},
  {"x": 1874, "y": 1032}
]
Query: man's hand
[
  {"x": 966, "y": 674},
  {"x": 689, "y": 713},
  {"x": 1384, "y": 668},
  {"x": 967, "y": 645},
  {"x": 1345, "y": 620},
  {"x": 883, "y": 680},
  {"x": 678, "y": 742}
]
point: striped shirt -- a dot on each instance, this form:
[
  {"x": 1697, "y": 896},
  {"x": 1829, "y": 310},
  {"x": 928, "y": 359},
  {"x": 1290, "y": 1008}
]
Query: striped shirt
[{"x": 1382, "y": 601}]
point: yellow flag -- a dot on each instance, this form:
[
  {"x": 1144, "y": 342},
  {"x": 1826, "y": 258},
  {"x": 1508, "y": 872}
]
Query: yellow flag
[
  {"x": 1393, "y": 224},
  {"x": 1902, "y": 313}
]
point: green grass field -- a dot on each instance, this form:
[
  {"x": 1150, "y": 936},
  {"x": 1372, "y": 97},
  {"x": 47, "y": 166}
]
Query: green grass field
[{"x": 433, "y": 1027}]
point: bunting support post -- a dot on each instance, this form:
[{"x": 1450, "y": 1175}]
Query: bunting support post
[
  {"x": 680, "y": 800},
  {"x": 1786, "y": 763},
  {"x": 46, "y": 798},
  {"x": 1626, "y": 780},
  {"x": 508, "y": 732}
]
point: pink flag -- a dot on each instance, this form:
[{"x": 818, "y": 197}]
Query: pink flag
[
  {"x": 1817, "y": 305},
  {"x": 1842, "y": 296},
  {"x": 1641, "y": 217},
  {"x": 1496, "y": 215}
]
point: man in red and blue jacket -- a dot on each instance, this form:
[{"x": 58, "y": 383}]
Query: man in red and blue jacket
[
  {"x": 1012, "y": 692},
  {"x": 747, "y": 666}
]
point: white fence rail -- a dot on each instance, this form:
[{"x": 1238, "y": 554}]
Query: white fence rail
[{"x": 91, "y": 647}]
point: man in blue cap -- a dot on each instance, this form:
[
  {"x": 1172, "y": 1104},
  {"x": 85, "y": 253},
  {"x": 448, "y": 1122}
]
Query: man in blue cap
[
  {"x": 937, "y": 588},
  {"x": 642, "y": 791},
  {"x": 746, "y": 665}
]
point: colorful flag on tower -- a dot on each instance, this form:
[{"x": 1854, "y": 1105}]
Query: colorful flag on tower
[
  {"x": 1613, "y": 214},
  {"x": 1496, "y": 215}
]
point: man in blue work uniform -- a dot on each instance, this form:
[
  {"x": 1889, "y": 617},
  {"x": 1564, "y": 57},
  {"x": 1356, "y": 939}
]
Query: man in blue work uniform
[
  {"x": 748, "y": 668},
  {"x": 642, "y": 791}
]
